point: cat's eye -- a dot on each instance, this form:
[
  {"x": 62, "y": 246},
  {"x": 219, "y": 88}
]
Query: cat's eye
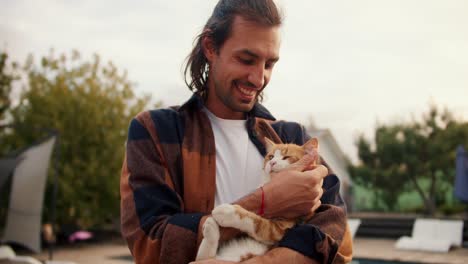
[
  {"x": 270, "y": 157},
  {"x": 286, "y": 157}
]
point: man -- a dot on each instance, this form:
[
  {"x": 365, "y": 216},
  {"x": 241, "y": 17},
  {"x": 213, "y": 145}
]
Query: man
[{"x": 182, "y": 161}]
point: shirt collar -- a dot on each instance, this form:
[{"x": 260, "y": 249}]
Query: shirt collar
[{"x": 196, "y": 103}]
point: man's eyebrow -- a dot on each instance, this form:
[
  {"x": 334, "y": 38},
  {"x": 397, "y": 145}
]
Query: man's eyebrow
[{"x": 253, "y": 54}]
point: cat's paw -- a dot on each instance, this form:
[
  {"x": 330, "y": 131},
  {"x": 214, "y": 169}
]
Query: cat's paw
[
  {"x": 211, "y": 230},
  {"x": 209, "y": 244},
  {"x": 226, "y": 216}
]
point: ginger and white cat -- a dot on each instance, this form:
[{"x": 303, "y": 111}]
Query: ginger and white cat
[{"x": 261, "y": 233}]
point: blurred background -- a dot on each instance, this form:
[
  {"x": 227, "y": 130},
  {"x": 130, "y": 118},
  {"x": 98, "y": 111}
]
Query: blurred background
[{"x": 383, "y": 83}]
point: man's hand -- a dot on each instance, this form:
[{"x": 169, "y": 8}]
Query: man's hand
[
  {"x": 212, "y": 261},
  {"x": 281, "y": 255},
  {"x": 296, "y": 191}
]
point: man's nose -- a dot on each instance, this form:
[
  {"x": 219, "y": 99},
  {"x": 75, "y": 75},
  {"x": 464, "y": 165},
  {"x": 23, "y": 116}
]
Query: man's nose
[{"x": 257, "y": 77}]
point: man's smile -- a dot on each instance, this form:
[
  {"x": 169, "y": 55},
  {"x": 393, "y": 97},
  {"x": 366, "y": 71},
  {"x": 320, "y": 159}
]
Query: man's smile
[{"x": 246, "y": 93}]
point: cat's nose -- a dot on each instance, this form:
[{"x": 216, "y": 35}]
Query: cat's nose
[{"x": 272, "y": 163}]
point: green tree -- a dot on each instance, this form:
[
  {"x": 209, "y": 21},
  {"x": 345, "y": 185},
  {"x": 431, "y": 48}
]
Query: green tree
[
  {"x": 418, "y": 155},
  {"x": 90, "y": 104},
  {"x": 7, "y": 76}
]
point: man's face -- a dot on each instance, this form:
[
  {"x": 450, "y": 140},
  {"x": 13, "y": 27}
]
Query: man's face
[{"x": 241, "y": 68}]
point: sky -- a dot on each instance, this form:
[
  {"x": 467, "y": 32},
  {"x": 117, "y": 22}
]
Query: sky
[{"x": 346, "y": 65}]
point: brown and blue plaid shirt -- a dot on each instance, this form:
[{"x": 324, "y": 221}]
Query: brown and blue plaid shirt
[{"x": 168, "y": 184}]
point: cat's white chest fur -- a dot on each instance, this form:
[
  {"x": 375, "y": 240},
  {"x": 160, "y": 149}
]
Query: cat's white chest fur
[{"x": 235, "y": 249}]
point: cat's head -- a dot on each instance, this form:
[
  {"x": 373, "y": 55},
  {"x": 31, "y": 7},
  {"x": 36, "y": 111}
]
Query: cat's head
[{"x": 280, "y": 156}]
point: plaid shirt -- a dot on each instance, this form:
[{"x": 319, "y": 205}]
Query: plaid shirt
[{"x": 168, "y": 183}]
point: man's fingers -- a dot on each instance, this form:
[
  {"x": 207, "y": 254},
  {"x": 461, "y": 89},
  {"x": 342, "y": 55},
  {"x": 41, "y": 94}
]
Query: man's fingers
[
  {"x": 320, "y": 172},
  {"x": 316, "y": 202},
  {"x": 316, "y": 175},
  {"x": 316, "y": 205},
  {"x": 211, "y": 261},
  {"x": 318, "y": 190}
]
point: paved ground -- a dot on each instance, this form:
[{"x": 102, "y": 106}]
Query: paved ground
[
  {"x": 384, "y": 249},
  {"x": 104, "y": 253},
  {"x": 117, "y": 252}
]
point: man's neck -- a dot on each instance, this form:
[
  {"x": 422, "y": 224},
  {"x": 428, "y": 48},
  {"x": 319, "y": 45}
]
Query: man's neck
[{"x": 220, "y": 110}]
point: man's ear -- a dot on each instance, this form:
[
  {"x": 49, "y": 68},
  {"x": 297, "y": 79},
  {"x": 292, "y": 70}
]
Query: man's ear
[{"x": 208, "y": 47}]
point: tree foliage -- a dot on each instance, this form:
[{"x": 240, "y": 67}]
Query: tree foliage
[
  {"x": 7, "y": 76},
  {"x": 6, "y": 79},
  {"x": 417, "y": 155},
  {"x": 90, "y": 104}
]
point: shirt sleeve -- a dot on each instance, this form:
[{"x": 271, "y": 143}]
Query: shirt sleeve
[{"x": 152, "y": 218}]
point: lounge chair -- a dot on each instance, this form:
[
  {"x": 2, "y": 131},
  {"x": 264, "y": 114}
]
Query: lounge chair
[
  {"x": 354, "y": 226},
  {"x": 433, "y": 235},
  {"x": 7, "y": 255},
  {"x": 23, "y": 224}
]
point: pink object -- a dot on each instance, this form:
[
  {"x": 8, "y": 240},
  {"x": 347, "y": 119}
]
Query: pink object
[{"x": 80, "y": 236}]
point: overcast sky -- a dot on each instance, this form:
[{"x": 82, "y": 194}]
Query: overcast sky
[{"x": 346, "y": 64}]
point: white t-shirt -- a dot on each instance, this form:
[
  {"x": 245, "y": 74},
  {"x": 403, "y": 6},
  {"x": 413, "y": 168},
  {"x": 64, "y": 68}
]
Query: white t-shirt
[{"x": 238, "y": 162}]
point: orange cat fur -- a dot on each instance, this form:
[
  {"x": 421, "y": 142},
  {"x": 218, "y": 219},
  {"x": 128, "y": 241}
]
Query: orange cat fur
[{"x": 262, "y": 233}]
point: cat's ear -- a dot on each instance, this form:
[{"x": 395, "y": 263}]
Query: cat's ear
[
  {"x": 269, "y": 144},
  {"x": 311, "y": 144}
]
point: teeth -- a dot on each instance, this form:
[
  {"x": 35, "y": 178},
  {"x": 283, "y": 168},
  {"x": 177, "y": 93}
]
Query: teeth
[{"x": 247, "y": 91}]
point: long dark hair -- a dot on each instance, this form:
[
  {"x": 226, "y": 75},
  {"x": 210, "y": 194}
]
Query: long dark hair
[{"x": 218, "y": 28}]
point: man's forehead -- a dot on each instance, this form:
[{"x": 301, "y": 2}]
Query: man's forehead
[{"x": 254, "y": 39}]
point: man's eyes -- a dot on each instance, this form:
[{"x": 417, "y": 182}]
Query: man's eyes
[
  {"x": 247, "y": 61},
  {"x": 268, "y": 65}
]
